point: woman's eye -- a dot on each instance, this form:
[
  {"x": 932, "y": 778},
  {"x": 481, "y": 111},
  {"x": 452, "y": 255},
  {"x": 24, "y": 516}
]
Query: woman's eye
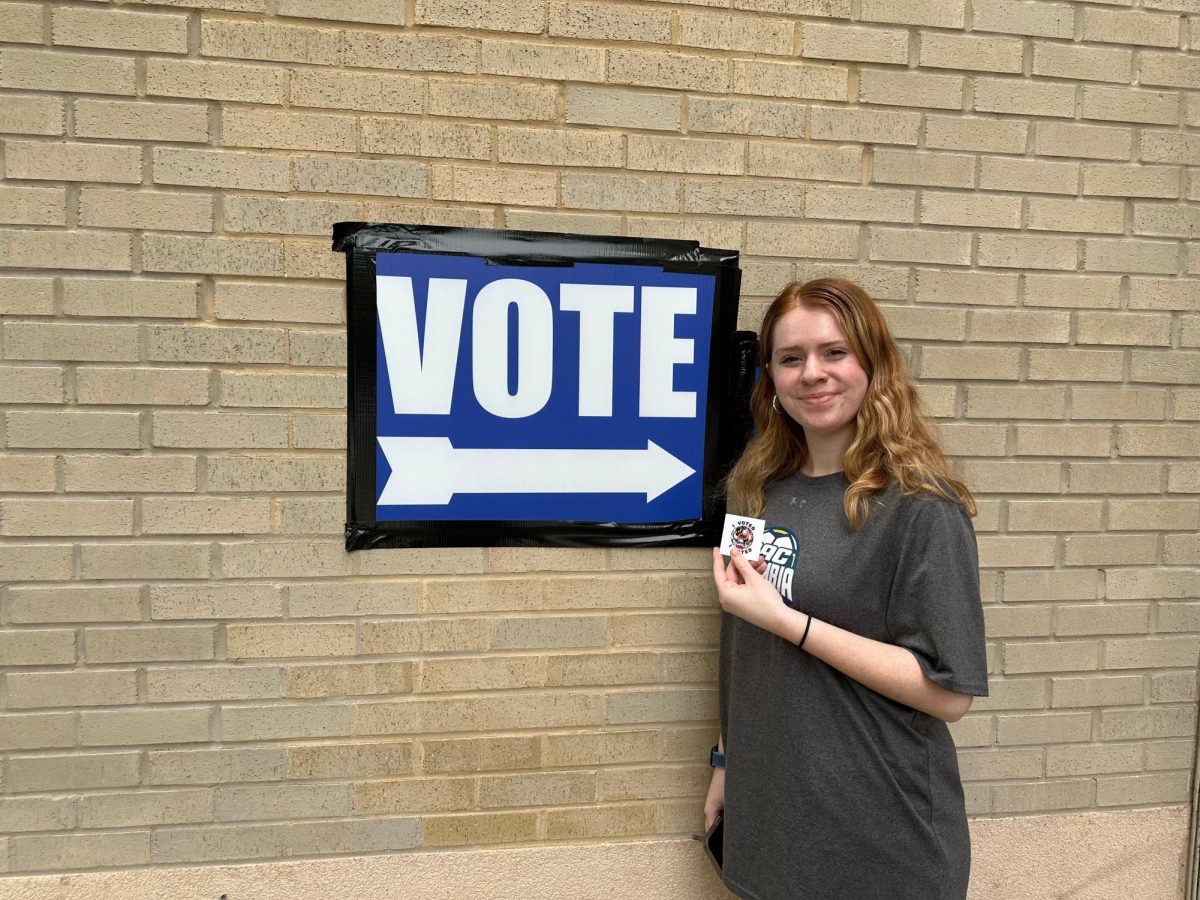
[{"x": 837, "y": 352}]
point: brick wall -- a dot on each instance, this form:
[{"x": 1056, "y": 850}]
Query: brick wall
[{"x": 195, "y": 670}]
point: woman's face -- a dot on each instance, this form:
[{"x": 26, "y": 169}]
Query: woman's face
[{"x": 819, "y": 381}]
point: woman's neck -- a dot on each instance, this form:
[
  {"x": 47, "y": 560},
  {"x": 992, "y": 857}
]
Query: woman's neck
[{"x": 825, "y": 454}]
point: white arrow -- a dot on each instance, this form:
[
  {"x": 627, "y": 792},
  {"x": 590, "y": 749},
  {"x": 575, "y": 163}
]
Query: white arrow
[{"x": 429, "y": 470}]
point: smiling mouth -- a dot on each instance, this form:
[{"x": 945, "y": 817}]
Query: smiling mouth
[{"x": 818, "y": 398}]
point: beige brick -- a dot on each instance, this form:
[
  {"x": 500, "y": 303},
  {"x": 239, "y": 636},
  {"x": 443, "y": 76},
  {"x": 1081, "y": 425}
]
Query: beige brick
[
  {"x": 21, "y": 23},
  {"x": 1014, "y": 477},
  {"x": 1044, "y": 728},
  {"x": 59, "y": 70},
  {"x": 143, "y": 726},
  {"x": 1063, "y": 440},
  {"x": 55, "y": 341},
  {"x": 902, "y": 244},
  {"x": 30, "y": 384},
  {"x": 587, "y": 105},
  {"x": 869, "y": 204},
  {"x": 148, "y": 643},
  {"x": 1138, "y": 584},
  {"x": 864, "y": 125},
  {"x": 973, "y": 731},
  {"x": 197, "y": 515},
  {"x": 1065, "y": 656},
  {"x": 253, "y": 389},
  {"x": 415, "y": 795},
  {"x": 549, "y": 631},
  {"x": 66, "y": 517},
  {"x": 1156, "y": 440},
  {"x": 761, "y": 117},
  {"x": 1043, "y": 515},
  {"x": 599, "y": 21},
  {"x": 921, "y": 12},
  {"x": 383, "y": 758},
  {"x": 34, "y": 562},
  {"x": 219, "y": 429},
  {"x": 291, "y": 558},
  {"x": 54, "y": 852},
  {"x": 1082, "y": 63},
  {"x": 37, "y": 647},
  {"x": 24, "y": 814},
  {"x": 653, "y": 781},
  {"x": 524, "y": 17},
  {"x": 976, "y": 211},
  {"x": 403, "y": 137},
  {"x": 1130, "y": 181},
  {"x": 914, "y": 167},
  {"x": 215, "y": 766},
  {"x": 773, "y": 79},
  {"x": 1168, "y": 69},
  {"x": 1176, "y": 617},
  {"x": 734, "y": 31},
  {"x": 26, "y": 296},
  {"x": 853, "y": 43},
  {"x": 809, "y": 162},
  {"x": 602, "y": 668},
  {"x": 193, "y": 684},
  {"x": 37, "y": 731},
  {"x": 482, "y": 754},
  {"x": 1089, "y": 620},
  {"x": 542, "y": 61},
  {"x": 478, "y": 713},
  {"x": 159, "y": 210},
  {"x": 33, "y": 206},
  {"x": 350, "y": 91},
  {"x": 269, "y": 129},
  {"x": 311, "y": 515},
  {"x": 960, "y": 439},
  {"x": 61, "y": 773},
  {"x": 342, "y": 680},
  {"x": 215, "y": 602},
  {"x": 1093, "y": 759},
  {"x": 1017, "y": 621},
  {"x": 249, "y": 723},
  {"x": 211, "y": 255},
  {"x": 1068, "y": 584},
  {"x": 1169, "y": 754},
  {"x": 818, "y": 241},
  {"x": 283, "y": 801},
  {"x": 145, "y": 808},
  {"x": 520, "y": 187},
  {"x": 601, "y": 821},
  {"x": 651, "y": 68},
  {"x": 142, "y": 386},
  {"x": 215, "y": 81},
  {"x": 1142, "y": 789},
  {"x": 1087, "y": 141},
  {"x": 909, "y": 323},
  {"x": 91, "y": 474},
  {"x": 988, "y": 54},
  {"x": 473, "y": 828},
  {"x": 208, "y": 843},
  {"x": 1169, "y": 367},
  {"x": 1131, "y": 724},
  {"x": 128, "y": 297},
  {"x": 1168, "y": 147},
  {"x": 1164, "y": 294},
  {"x": 1075, "y": 365},
  {"x": 1167, "y": 220},
  {"x": 1014, "y": 693},
  {"x": 548, "y": 559},
  {"x": 1177, "y": 515},
  {"x": 1027, "y": 251},
  {"x": 241, "y": 39},
  {"x": 976, "y": 134},
  {"x": 109, "y": 29},
  {"x": 421, "y": 52},
  {"x": 32, "y": 115},
  {"x": 275, "y": 474},
  {"x": 618, "y": 192},
  {"x": 382, "y": 12},
  {"x": 980, "y": 764},
  {"x": 1172, "y": 687},
  {"x": 539, "y": 788},
  {"x": 1114, "y": 549},
  {"x": 1015, "y": 17},
  {"x": 26, "y": 474},
  {"x": 477, "y": 596},
  {"x": 593, "y": 592},
  {"x": 569, "y": 148},
  {"x": 726, "y": 197},
  {"x": 1152, "y": 29},
  {"x": 1027, "y": 175},
  {"x": 1125, "y": 105},
  {"x": 320, "y": 174},
  {"x": 1096, "y": 216},
  {"x": 250, "y": 171},
  {"x": 1042, "y": 795},
  {"x": 276, "y": 215},
  {"x": 72, "y": 162},
  {"x": 93, "y": 431},
  {"x": 1019, "y": 97}
]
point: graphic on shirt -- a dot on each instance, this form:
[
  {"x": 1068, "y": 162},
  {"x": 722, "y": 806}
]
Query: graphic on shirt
[{"x": 780, "y": 549}]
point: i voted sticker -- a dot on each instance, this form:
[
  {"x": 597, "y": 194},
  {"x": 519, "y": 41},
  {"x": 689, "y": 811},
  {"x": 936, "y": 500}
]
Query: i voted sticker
[{"x": 744, "y": 534}]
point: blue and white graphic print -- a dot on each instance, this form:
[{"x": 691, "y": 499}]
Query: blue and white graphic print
[
  {"x": 539, "y": 392},
  {"x": 780, "y": 550}
]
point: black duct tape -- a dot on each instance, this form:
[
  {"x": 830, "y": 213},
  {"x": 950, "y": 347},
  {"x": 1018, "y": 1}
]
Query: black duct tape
[{"x": 731, "y": 375}]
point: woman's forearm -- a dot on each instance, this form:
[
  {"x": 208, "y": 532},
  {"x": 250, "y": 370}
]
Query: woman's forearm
[{"x": 885, "y": 668}]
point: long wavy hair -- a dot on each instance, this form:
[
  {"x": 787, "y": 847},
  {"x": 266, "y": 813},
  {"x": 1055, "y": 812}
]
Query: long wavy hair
[{"x": 892, "y": 442}]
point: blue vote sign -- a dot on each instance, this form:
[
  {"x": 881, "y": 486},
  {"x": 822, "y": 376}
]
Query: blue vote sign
[{"x": 567, "y": 393}]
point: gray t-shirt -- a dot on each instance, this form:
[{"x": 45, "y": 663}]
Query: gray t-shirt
[{"x": 833, "y": 791}]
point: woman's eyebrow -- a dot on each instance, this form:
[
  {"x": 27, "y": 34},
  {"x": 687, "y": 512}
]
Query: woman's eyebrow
[{"x": 820, "y": 346}]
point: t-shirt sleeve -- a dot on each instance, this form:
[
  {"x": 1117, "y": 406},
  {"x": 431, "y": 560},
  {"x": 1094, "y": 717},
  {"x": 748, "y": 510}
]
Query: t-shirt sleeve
[{"x": 934, "y": 609}]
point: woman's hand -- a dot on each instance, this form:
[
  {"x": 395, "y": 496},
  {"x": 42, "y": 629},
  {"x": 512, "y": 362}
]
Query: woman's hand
[
  {"x": 745, "y": 593},
  {"x": 714, "y": 802}
]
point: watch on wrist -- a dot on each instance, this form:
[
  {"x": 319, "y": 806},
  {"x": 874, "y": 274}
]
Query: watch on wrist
[{"x": 716, "y": 758}]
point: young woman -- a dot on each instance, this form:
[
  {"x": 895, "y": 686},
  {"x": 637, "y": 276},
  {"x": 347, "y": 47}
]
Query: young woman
[{"x": 857, "y": 637}]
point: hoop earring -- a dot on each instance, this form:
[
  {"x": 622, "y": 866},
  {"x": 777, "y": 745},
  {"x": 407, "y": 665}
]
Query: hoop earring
[{"x": 775, "y": 403}]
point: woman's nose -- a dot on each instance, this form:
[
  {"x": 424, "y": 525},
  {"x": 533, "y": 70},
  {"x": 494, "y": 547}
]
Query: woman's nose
[{"x": 812, "y": 370}]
